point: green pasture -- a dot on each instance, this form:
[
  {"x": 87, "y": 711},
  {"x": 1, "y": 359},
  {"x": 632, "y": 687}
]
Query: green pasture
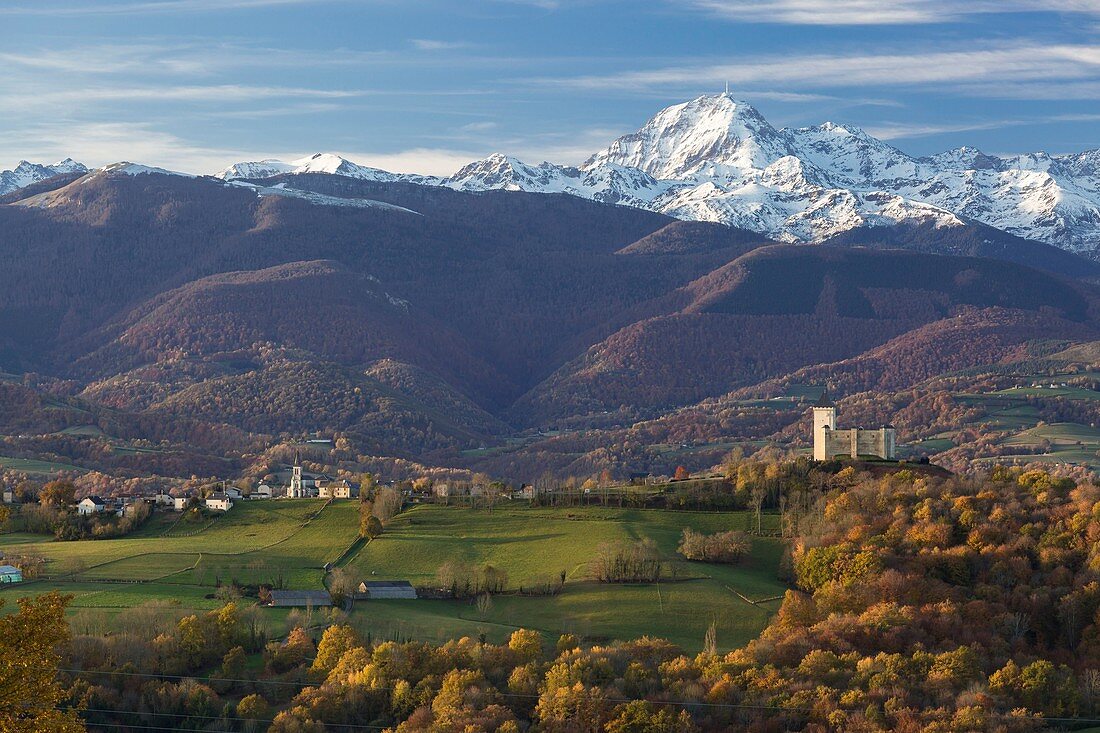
[
  {"x": 251, "y": 543},
  {"x": 257, "y": 542},
  {"x": 35, "y": 467},
  {"x": 529, "y": 543}
]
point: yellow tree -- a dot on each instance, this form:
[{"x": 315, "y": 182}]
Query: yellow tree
[{"x": 29, "y": 690}]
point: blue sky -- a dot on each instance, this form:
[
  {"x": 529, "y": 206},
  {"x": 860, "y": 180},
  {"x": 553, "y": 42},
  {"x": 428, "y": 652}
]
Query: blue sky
[{"x": 426, "y": 85}]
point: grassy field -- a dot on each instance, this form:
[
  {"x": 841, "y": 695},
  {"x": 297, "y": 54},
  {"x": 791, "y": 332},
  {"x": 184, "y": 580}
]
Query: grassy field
[
  {"x": 258, "y": 542},
  {"x": 533, "y": 543},
  {"x": 37, "y": 468}
]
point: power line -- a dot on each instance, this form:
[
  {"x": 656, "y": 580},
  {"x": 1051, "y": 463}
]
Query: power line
[{"x": 358, "y": 726}]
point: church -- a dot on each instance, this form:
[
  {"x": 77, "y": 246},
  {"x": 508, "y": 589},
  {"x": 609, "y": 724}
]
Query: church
[{"x": 830, "y": 442}]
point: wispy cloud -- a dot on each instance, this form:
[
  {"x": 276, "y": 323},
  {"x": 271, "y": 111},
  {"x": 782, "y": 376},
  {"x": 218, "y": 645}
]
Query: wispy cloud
[
  {"x": 984, "y": 70},
  {"x": 485, "y": 126},
  {"x": 902, "y": 130},
  {"x": 429, "y": 44},
  {"x": 878, "y": 12},
  {"x": 145, "y": 8},
  {"x": 100, "y": 143}
]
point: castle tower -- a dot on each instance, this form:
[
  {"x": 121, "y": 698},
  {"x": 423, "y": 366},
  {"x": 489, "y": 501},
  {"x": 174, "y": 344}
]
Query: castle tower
[{"x": 824, "y": 421}]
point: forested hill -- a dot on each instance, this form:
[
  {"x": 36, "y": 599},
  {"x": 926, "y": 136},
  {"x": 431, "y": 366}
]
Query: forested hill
[{"x": 426, "y": 319}]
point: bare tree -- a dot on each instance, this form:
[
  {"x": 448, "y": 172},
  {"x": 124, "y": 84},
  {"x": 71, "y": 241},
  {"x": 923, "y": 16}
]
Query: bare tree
[
  {"x": 387, "y": 503},
  {"x": 756, "y": 497}
]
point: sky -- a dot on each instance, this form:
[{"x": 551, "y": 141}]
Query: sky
[{"x": 429, "y": 85}]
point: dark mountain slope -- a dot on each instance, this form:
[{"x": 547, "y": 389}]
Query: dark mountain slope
[
  {"x": 319, "y": 307},
  {"x": 517, "y": 275},
  {"x": 973, "y": 240},
  {"x": 780, "y": 308},
  {"x": 696, "y": 237}
]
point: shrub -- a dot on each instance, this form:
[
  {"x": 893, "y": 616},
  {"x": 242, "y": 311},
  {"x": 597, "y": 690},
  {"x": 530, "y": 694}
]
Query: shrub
[{"x": 725, "y": 547}]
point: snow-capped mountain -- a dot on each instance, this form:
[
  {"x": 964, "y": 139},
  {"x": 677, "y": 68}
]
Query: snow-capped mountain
[
  {"x": 706, "y": 138},
  {"x": 717, "y": 159},
  {"x": 26, "y": 173},
  {"x": 329, "y": 163}
]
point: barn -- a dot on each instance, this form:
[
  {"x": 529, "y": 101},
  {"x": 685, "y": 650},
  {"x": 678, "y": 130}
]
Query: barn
[
  {"x": 300, "y": 598},
  {"x": 377, "y": 589}
]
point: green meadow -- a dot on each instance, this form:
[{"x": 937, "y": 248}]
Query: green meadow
[{"x": 290, "y": 541}]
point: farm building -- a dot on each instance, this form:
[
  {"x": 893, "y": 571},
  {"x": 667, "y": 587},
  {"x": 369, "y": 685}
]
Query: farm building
[
  {"x": 376, "y": 589},
  {"x": 339, "y": 489},
  {"x": 10, "y": 574},
  {"x": 91, "y": 505},
  {"x": 181, "y": 502},
  {"x": 300, "y": 598},
  {"x": 219, "y": 502}
]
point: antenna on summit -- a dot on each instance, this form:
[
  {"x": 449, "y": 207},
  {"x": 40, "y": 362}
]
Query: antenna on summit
[{"x": 727, "y": 88}]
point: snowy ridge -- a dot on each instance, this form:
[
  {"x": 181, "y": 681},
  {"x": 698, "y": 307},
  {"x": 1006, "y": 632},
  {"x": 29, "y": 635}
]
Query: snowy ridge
[
  {"x": 282, "y": 189},
  {"x": 328, "y": 163},
  {"x": 26, "y": 173}
]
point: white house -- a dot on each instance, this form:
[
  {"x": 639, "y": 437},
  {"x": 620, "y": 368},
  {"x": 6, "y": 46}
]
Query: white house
[
  {"x": 91, "y": 505},
  {"x": 219, "y": 502},
  {"x": 9, "y": 496},
  {"x": 180, "y": 503},
  {"x": 163, "y": 499}
]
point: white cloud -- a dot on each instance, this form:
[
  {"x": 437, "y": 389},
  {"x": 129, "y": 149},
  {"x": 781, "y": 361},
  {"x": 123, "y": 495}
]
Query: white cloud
[
  {"x": 100, "y": 143},
  {"x": 428, "y": 44},
  {"x": 878, "y": 12}
]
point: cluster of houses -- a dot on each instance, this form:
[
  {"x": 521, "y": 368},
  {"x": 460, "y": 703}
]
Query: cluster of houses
[{"x": 301, "y": 485}]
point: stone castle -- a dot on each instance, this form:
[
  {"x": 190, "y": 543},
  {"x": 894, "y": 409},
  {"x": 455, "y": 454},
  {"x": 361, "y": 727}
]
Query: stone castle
[{"x": 830, "y": 442}]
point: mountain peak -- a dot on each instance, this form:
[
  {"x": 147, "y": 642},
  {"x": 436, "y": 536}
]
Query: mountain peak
[{"x": 714, "y": 132}]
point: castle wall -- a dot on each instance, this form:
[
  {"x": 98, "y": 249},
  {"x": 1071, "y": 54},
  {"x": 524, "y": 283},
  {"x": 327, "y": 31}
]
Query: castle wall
[{"x": 855, "y": 442}]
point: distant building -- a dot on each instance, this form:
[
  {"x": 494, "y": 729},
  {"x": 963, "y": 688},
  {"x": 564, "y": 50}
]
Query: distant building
[
  {"x": 219, "y": 502},
  {"x": 163, "y": 499},
  {"x": 10, "y": 574},
  {"x": 91, "y": 505},
  {"x": 180, "y": 503},
  {"x": 339, "y": 489},
  {"x": 265, "y": 491},
  {"x": 302, "y": 486},
  {"x": 378, "y": 589},
  {"x": 300, "y": 598},
  {"x": 829, "y": 441},
  {"x": 9, "y": 496}
]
